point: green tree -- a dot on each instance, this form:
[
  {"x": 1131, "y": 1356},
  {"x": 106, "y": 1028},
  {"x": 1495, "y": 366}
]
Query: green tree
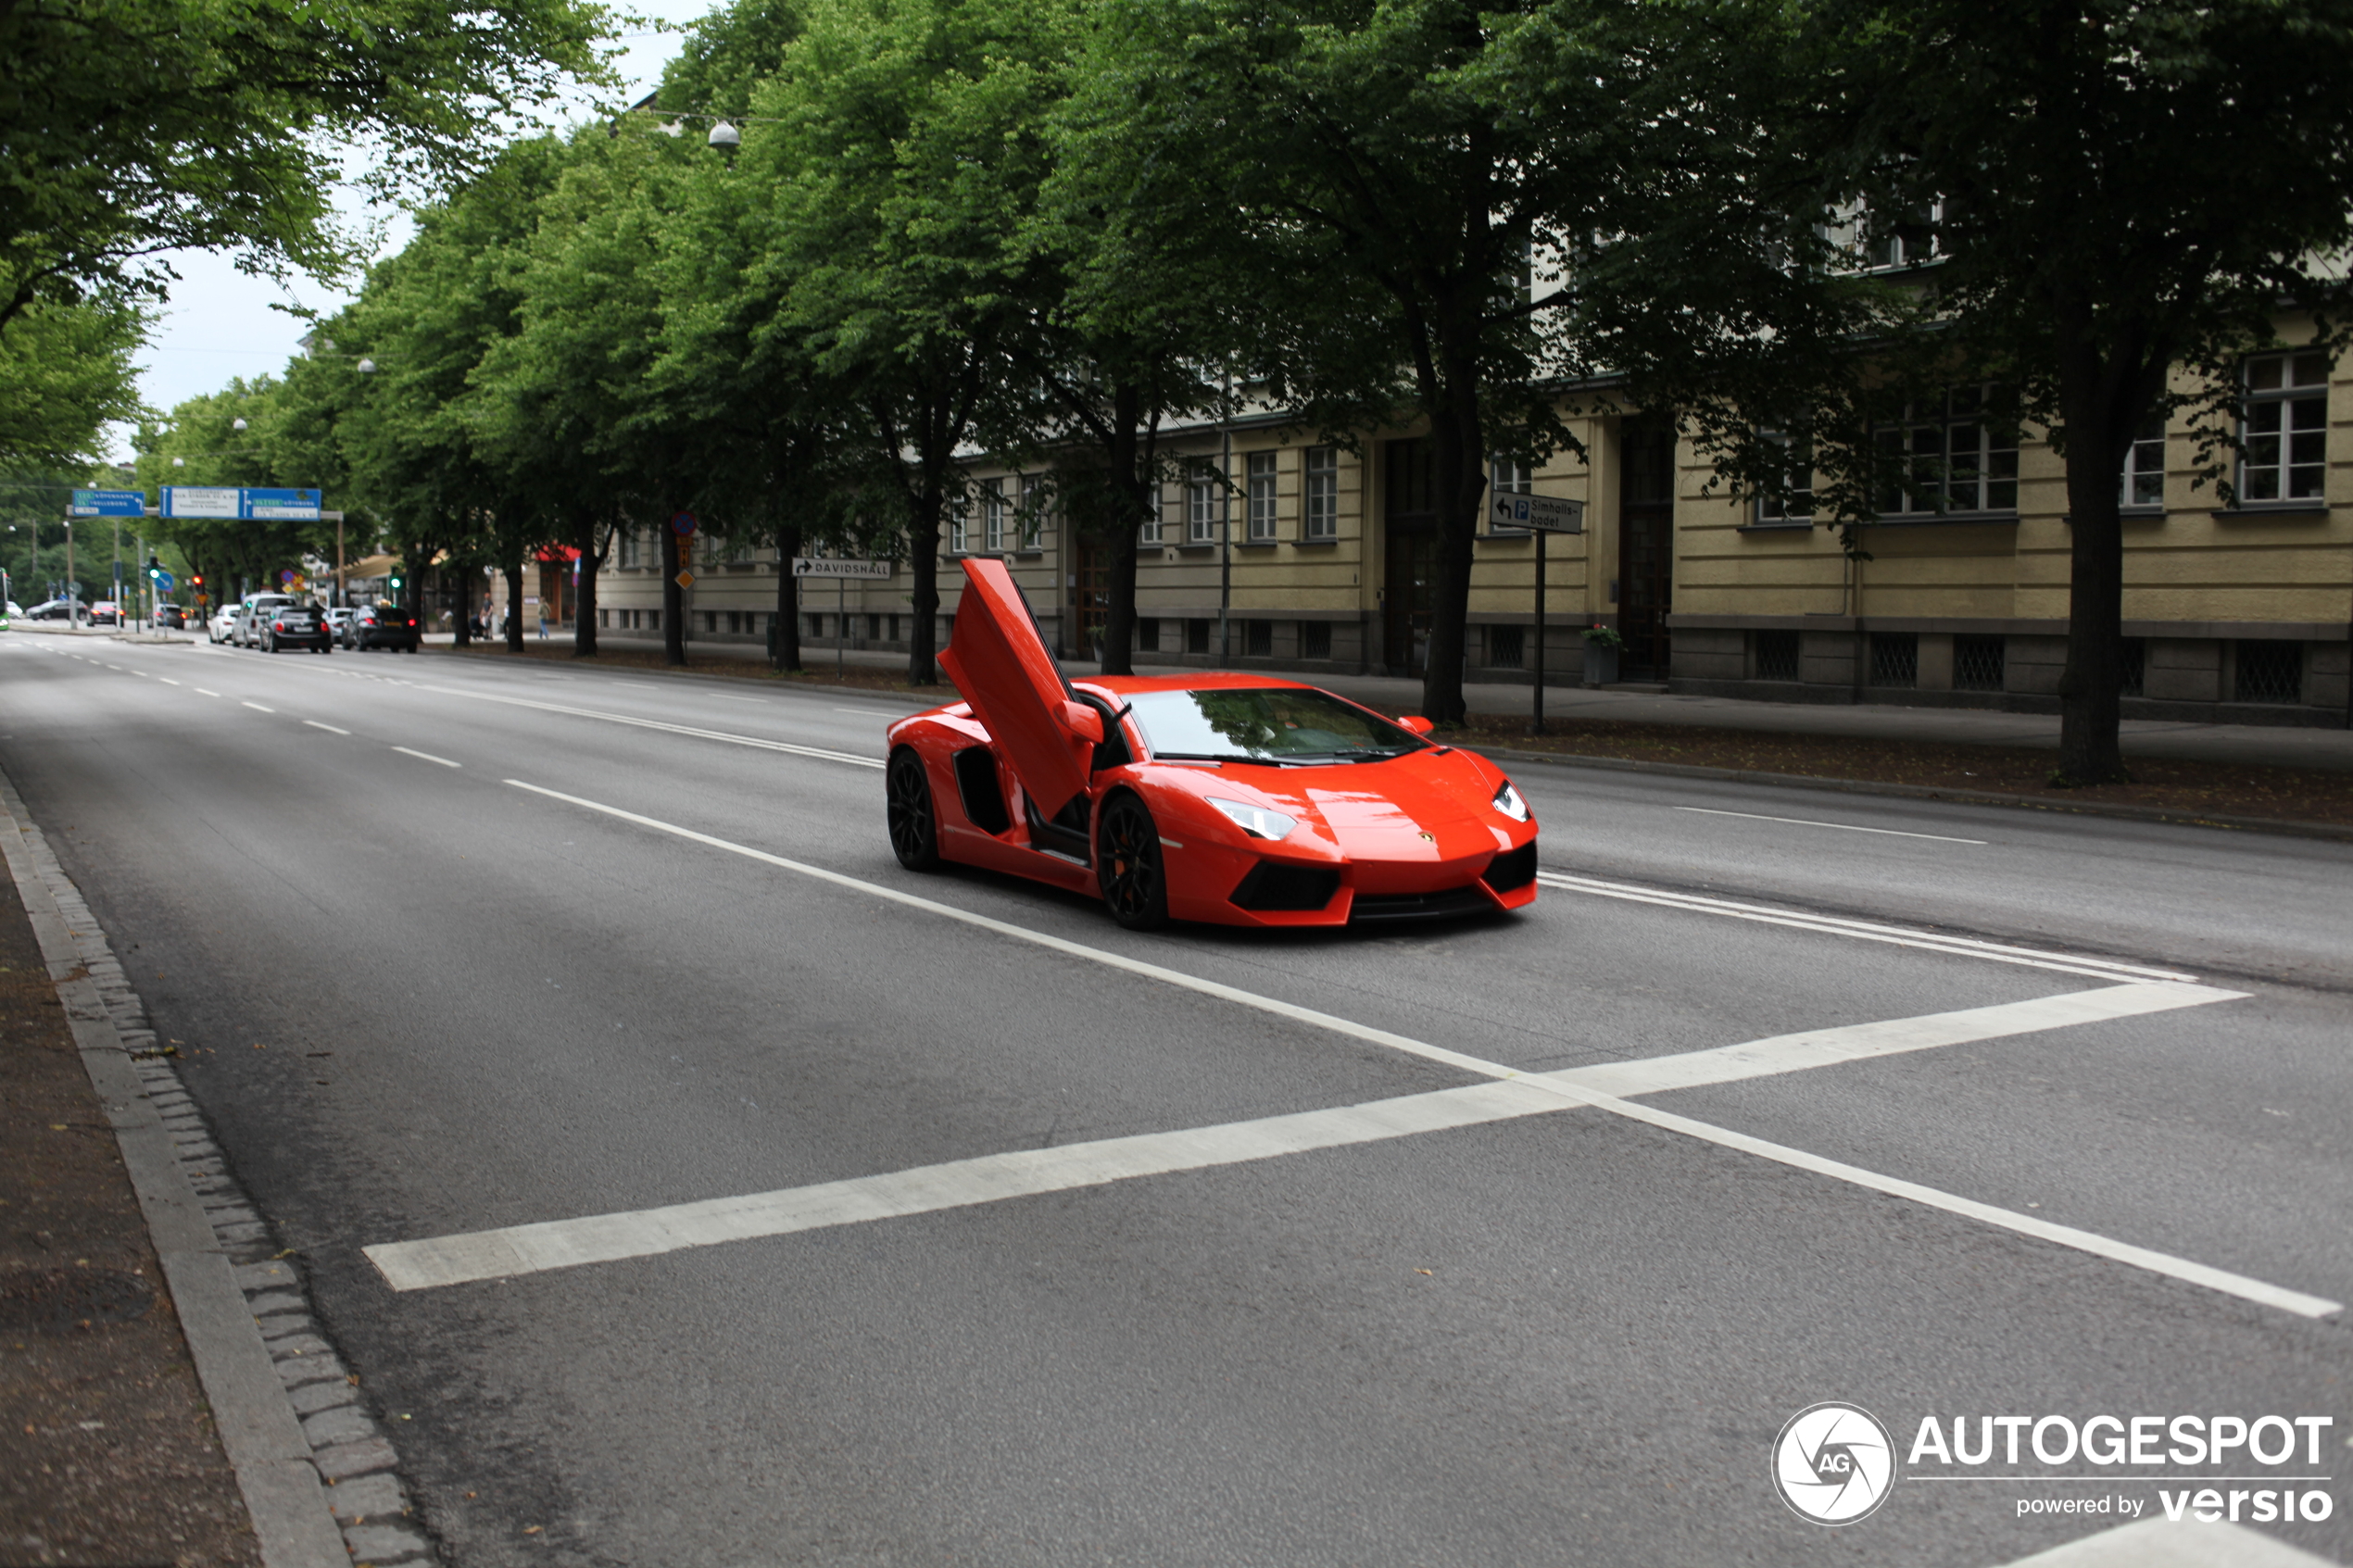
[{"x": 64, "y": 376}]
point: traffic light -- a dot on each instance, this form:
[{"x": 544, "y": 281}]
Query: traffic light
[{"x": 396, "y": 585}]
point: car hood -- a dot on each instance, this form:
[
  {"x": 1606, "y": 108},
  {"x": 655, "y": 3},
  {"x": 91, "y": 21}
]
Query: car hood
[{"x": 1427, "y": 807}]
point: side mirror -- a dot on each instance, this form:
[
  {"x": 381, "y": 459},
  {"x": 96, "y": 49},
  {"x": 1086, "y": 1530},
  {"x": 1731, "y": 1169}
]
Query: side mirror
[
  {"x": 1084, "y": 721},
  {"x": 1416, "y": 723}
]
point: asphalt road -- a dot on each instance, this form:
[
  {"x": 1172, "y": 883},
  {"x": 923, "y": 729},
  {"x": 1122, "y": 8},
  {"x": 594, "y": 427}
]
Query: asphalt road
[{"x": 422, "y": 1001}]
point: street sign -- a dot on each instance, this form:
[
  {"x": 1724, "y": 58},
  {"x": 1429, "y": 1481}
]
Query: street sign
[
  {"x": 685, "y": 580},
  {"x": 1547, "y": 514},
  {"x": 165, "y": 582},
  {"x": 108, "y": 503},
  {"x": 287, "y": 578},
  {"x": 804, "y": 566},
  {"x": 280, "y": 506},
  {"x": 682, "y": 523},
  {"x": 203, "y": 500}
]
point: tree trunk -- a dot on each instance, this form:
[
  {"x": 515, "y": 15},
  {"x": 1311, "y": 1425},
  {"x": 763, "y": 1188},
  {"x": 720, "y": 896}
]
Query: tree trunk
[
  {"x": 674, "y": 598},
  {"x": 584, "y": 601},
  {"x": 1462, "y": 484},
  {"x": 783, "y": 651},
  {"x": 1120, "y": 536},
  {"x": 2090, "y": 690},
  {"x": 514, "y": 603}
]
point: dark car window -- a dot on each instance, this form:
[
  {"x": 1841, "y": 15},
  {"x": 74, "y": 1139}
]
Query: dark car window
[{"x": 1273, "y": 723}]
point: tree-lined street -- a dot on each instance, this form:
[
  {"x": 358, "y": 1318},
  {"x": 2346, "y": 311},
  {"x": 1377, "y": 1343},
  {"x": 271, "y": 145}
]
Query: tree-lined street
[{"x": 451, "y": 949}]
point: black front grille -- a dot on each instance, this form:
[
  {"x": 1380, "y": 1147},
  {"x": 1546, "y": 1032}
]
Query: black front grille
[
  {"x": 1512, "y": 869},
  {"x": 1272, "y": 885},
  {"x": 1464, "y": 900}
]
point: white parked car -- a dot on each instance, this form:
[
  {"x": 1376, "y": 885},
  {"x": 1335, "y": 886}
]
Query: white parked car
[{"x": 224, "y": 623}]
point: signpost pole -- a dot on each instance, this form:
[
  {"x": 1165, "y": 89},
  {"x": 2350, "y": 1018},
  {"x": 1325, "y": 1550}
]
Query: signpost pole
[
  {"x": 73, "y": 598},
  {"x": 1536, "y": 720},
  {"x": 841, "y": 624}
]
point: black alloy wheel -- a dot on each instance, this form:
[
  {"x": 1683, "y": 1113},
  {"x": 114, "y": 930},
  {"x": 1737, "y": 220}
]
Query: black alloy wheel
[
  {"x": 915, "y": 826},
  {"x": 1129, "y": 867}
]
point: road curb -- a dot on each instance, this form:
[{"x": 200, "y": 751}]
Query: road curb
[
  {"x": 165, "y": 1151},
  {"x": 2285, "y": 825}
]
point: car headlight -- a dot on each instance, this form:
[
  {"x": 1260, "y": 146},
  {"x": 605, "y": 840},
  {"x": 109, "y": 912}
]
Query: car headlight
[
  {"x": 1256, "y": 821},
  {"x": 1508, "y": 802}
]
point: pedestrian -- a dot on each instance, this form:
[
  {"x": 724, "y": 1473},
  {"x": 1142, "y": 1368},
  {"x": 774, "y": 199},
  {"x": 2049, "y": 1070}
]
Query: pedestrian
[{"x": 543, "y": 623}]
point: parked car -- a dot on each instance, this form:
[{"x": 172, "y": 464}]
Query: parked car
[
  {"x": 294, "y": 626},
  {"x": 254, "y": 614},
  {"x": 338, "y": 619},
  {"x": 383, "y": 626},
  {"x": 171, "y": 617},
  {"x": 58, "y": 609},
  {"x": 222, "y": 627}
]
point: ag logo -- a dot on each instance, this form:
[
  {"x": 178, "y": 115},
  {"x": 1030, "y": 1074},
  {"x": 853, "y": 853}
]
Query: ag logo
[{"x": 1834, "y": 1464}]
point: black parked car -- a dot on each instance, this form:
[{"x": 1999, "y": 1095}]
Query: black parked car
[
  {"x": 382, "y": 626},
  {"x": 295, "y": 627}
]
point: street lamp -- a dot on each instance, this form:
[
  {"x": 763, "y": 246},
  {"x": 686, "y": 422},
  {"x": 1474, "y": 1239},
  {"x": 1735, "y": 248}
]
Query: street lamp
[
  {"x": 236, "y": 424},
  {"x": 724, "y": 137},
  {"x": 367, "y": 367}
]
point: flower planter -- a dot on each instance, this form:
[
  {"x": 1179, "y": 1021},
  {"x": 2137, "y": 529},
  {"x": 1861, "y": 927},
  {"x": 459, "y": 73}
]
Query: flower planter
[{"x": 1601, "y": 664}]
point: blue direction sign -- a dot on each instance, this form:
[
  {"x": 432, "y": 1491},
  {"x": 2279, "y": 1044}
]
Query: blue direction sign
[
  {"x": 165, "y": 582},
  {"x": 280, "y": 506},
  {"x": 108, "y": 503}
]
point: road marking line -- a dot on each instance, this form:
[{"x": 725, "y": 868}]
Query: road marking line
[
  {"x": 329, "y": 728},
  {"x": 731, "y": 739},
  {"x": 205, "y": 692},
  {"x": 167, "y": 680},
  {"x": 258, "y": 708},
  {"x": 1842, "y": 827},
  {"x": 1867, "y": 931},
  {"x": 428, "y": 757},
  {"x": 872, "y": 712},
  {"x": 494, "y": 1254}
]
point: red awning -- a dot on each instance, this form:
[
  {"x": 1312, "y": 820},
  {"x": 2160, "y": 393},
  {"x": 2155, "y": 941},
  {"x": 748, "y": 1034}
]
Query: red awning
[{"x": 558, "y": 552}]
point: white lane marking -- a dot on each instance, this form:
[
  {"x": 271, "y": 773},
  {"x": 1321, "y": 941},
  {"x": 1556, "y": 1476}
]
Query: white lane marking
[
  {"x": 202, "y": 690},
  {"x": 329, "y": 728},
  {"x": 648, "y": 1230},
  {"x": 258, "y": 708},
  {"x": 1867, "y": 931},
  {"x": 427, "y": 756},
  {"x": 731, "y": 739},
  {"x": 167, "y": 680},
  {"x": 1842, "y": 827},
  {"x": 871, "y": 712}
]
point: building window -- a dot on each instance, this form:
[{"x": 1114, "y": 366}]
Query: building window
[
  {"x": 1262, "y": 497},
  {"x": 1895, "y": 658},
  {"x": 1258, "y": 639},
  {"x": 2267, "y": 671},
  {"x": 992, "y": 515},
  {"x": 1509, "y": 478},
  {"x": 2143, "y": 481},
  {"x": 1776, "y": 655},
  {"x": 1201, "y": 505},
  {"x": 959, "y": 525},
  {"x": 816, "y": 626},
  {"x": 710, "y": 622},
  {"x": 629, "y": 548},
  {"x": 1506, "y": 645},
  {"x": 873, "y": 628},
  {"x": 1792, "y": 506},
  {"x": 1946, "y": 456},
  {"x": 1320, "y": 502},
  {"x": 1978, "y": 663},
  {"x": 1314, "y": 639},
  {"x": 1035, "y": 496},
  {"x": 1908, "y": 240},
  {"x": 2285, "y": 427},
  {"x": 1196, "y": 636},
  {"x": 1147, "y": 635},
  {"x": 2134, "y": 656}
]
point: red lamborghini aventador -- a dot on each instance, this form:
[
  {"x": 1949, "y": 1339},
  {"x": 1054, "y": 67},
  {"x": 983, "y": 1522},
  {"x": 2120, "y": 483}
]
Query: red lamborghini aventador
[{"x": 1226, "y": 798}]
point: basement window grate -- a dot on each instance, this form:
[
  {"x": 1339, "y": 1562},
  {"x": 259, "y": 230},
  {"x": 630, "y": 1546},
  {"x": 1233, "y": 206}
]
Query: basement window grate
[
  {"x": 1977, "y": 663},
  {"x": 1258, "y": 639},
  {"x": 1314, "y": 639},
  {"x": 2269, "y": 671},
  {"x": 1776, "y": 655},
  {"x": 1895, "y": 658},
  {"x": 1506, "y": 646},
  {"x": 2133, "y": 659}
]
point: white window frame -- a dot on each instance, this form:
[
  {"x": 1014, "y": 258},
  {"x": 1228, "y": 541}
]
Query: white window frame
[
  {"x": 1894, "y": 253},
  {"x": 1957, "y": 462},
  {"x": 2141, "y": 487},
  {"x": 1797, "y": 477},
  {"x": 1201, "y": 495},
  {"x": 1319, "y": 494},
  {"x": 1034, "y": 500},
  {"x": 959, "y": 524},
  {"x": 2283, "y": 428},
  {"x": 630, "y": 547},
  {"x": 1263, "y": 496},
  {"x": 992, "y": 515}
]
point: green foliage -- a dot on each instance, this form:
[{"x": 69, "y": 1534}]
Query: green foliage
[{"x": 65, "y": 374}]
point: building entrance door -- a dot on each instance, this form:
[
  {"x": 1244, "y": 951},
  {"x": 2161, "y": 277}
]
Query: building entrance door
[
  {"x": 1645, "y": 547},
  {"x": 1409, "y": 562},
  {"x": 1089, "y": 595}
]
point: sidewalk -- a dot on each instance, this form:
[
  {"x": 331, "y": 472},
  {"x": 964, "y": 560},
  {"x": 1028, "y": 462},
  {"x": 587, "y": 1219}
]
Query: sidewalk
[{"x": 2244, "y": 745}]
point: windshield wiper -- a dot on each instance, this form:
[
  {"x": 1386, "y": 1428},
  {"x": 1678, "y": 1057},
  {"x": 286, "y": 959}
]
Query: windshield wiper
[{"x": 1220, "y": 757}]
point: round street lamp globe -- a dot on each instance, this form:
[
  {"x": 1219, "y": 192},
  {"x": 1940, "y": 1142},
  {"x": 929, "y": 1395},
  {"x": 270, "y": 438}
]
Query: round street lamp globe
[
  {"x": 179, "y": 462},
  {"x": 236, "y": 424},
  {"x": 367, "y": 367},
  {"x": 724, "y": 135}
]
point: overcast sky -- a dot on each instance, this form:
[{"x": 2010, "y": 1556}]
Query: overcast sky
[{"x": 220, "y": 325}]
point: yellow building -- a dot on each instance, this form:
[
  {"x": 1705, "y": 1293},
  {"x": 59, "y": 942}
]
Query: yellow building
[{"x": 1272, "y": 551}]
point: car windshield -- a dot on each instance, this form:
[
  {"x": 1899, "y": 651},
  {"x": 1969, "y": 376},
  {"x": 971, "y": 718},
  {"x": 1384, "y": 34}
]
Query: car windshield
[{"x": 1271, "y": 724}]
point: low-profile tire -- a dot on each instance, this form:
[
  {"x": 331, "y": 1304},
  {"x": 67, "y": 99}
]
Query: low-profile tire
[
  {"x": 914, "y": 823},
  {"x": 1129, "y": 867}
]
